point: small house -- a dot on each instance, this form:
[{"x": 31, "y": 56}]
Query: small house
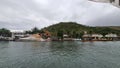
[{"x": 112, "y": 36}]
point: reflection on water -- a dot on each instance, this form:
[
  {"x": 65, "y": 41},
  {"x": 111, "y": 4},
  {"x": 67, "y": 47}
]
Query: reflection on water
[{"x": 59, "y": 54}]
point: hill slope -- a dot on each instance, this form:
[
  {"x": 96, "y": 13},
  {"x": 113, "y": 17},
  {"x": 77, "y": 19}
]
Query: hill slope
[
  {"x": 74, "y": 29},
  {"x": 115, "y": 27}
]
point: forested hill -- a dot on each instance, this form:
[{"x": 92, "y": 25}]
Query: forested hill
[
  {"x": 115, "y": 27},
  {"x": 73, "y": 28},
  {"x": 67, "y": 27}
]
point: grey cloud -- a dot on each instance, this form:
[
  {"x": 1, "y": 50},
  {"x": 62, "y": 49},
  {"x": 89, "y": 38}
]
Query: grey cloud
[
  {"x": 25, "y": 14},
  {"x": 107, "y": 20}
]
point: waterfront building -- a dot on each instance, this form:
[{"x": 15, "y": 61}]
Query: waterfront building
[
  {"x": 2, "y": 38},
  {"x": 112, "y": 36},
  {"x": 16, "y": 34},
  {"x": 66, "y": 37},
  {"x": 90, "y": 37}
]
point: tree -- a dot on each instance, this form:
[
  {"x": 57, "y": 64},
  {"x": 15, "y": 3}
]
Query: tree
[
  {"x": 60, "y": 34},
  {"x": 35, "y": 30},
  {"x": 5, "y": 32}
]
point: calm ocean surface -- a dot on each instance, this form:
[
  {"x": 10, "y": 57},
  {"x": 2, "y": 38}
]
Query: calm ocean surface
[{"x": 60, "y": 54}]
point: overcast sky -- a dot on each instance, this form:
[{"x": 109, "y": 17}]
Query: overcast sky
[{"x": 26, "y": 14}]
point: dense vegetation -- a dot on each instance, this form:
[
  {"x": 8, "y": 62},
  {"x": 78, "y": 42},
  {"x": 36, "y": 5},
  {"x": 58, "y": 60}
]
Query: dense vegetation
[
  {"x": 72, "y": 29},
  {"x": 115, "y": 27},
  {"x": 5, "y": 32},
  {"x": 33, "y": 31},
  {"x": 77, "y": 30}
]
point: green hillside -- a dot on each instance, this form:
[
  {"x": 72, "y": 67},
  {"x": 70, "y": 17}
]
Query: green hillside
[
  {"x": 115, "y": 27},
  {"x": 71, "y": 28},
  {"x": 76, "y": 30}
]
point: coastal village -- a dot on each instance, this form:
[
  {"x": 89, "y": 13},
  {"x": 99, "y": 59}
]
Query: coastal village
[
  {"x": 59, "y": 32},
  {"x": 86, "y": 37},
  {"x": 18, "y": 35}
]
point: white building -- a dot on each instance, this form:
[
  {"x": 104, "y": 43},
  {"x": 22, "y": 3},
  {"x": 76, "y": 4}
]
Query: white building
[
  {"x": 113, "y": 2},
  {"x": 111, "y": 35},
  {"x": 17, "y": 33},
  {"x": 65, "y": 36},
  {"x": 92, "y": 37}
]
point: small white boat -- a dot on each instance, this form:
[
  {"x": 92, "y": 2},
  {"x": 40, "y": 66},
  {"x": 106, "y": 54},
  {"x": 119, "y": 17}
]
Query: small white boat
[{"x": 77, "y": 39}]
